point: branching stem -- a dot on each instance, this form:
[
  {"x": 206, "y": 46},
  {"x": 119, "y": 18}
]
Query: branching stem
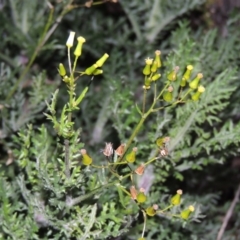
[{"x": 142, "y": 120}]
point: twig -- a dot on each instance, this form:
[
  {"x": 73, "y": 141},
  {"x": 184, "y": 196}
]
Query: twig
[{"x": 229, "y": 214}]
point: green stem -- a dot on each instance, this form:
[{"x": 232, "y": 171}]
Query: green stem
[
  {"x": 190, "y": 90},
  {"x": 157, "y": 109},
  {"x": 144, "y": 224},
  {"x": 70, "y": 64},
  {"x": 161, "y": 93},
  {"x": 135, "y": 132},
  {"x": 151, "y": 160},
  {"x": 155, "y": 91},
  {"x": 75, "y": 64},
  {"x": 144, "y": 100},
  {"x": 124, "y": 190},
  {"x": 142, "y": 120},
  {"x": 165, "y": 209}
]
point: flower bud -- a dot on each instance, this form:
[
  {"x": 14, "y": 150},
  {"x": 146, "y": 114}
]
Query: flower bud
[
  {"x": 62, "y": 70},
  {"x": 146, "y": 87},
  {"x": 141, "y": 197},
  {"x": 97, "y": 72},
  {"x": 78, "y": 50},
  {"x": 131, "y": 157},
  {"x": 108, "y": 150},
  {"x": 194, "y": 83},
  {"x": 133, "y": 192},
  {"x": 86, "y": 160},
  {"x": 151, "y": 211},
  {"x": 91, "y": 69},
  {"x": 140, "y": 170},
  {"x": 88, "y": 4},
  {"x": 199, "y": 92},
  {"x": 102, "y": 60},
  {"x": 70, "y": 39},
  {"x": 186, "y": 213},
  {"x": 147, "y": 83},
  {"x": 176, "y": 199},
  {"x": 154, "y": 67},
  {"x": 120, "y": 150},
  {"x": 157, "y": 58},
  {"x": 161, "y": 141},
  {"x": 155, "y": 77},
  {"x": 172, "y": 76},
  {"x": 167, "y": 95},
  {"x": 66, "y": 79},
  {"x": 147, "y": 68},
  {"x": 163, "y": 152},
  {"x": 187, "y": 74}
]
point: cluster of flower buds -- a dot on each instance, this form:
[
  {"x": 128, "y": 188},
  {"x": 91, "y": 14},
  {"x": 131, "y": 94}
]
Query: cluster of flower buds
[
  {"x": 150, "y": 72},
  {"x": 108, "y": 150},
  {"x": 151, "y": 68},
  {"x": 176, "y": 200},
  {"x": 70, "y": 41},
  {"x": 92, "y": 70},
  {"x": 193, "y": 84},
  {"x": 95, "y": 68}
]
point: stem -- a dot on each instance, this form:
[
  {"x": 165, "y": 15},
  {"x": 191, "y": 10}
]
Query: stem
[
  {"x": 142, "y": 120},
  {"x": 135, "y": 132},
  {"x": 109, "y": 164},
  {"x": 112, "y": 171},
  {"x": 155, "y": 91},
  {"x": 161, "y": 93},
  {"x": 165, "y": 209},
  {"x": 66, "y": 9},
  {"x": 67, "y": 162},
  {"x": 70, "y": 65},
  {"x": 157, "y": 109},
  {"x": 190, "y": 90},
  {"x": 124, "y": 190},
  {"x": 144, "y": 224},
  {"x": 75, "y": 64},
  {"x": 229, "y": 214},
  {"x": 144, "y": 100},
  {"x": 151, "y": 160}
]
